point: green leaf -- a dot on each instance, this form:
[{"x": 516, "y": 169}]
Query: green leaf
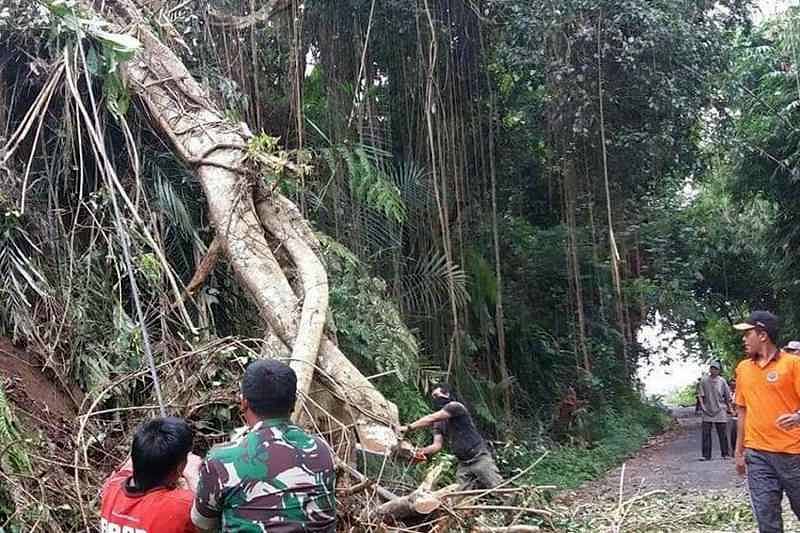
[
  {"x": 117, "y": 98},
  {"x": 123, "y": 45},
  {"x": 94, "y": 62}
]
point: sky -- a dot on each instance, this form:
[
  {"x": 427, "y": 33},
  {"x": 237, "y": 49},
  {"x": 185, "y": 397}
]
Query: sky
[
  {"x": 668, "y": 369},
  {"x": 767, "y": 8}
]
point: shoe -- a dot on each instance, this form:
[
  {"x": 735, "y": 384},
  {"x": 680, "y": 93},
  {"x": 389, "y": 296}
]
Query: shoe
[{"x": 704, "y": 459}]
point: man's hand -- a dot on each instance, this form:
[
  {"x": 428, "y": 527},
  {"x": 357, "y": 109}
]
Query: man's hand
[
  {"x": 191, "y": 473},
  {"x": 790, "y": 421},
  {"x": 741, "y": 466},
  {"x": 127, "y": 465},
  {"x": 419, "y": 457}
]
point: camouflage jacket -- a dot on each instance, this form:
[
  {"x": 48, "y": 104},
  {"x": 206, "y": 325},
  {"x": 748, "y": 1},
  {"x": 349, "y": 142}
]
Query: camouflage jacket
[{"x": 275, "y": 478}]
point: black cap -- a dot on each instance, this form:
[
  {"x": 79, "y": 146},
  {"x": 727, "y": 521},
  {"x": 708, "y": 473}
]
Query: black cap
[{"x": 763, "y": 320}]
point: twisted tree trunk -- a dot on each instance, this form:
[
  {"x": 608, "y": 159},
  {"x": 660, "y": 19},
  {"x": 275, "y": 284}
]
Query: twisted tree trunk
[{"x": 241, "y": 211}]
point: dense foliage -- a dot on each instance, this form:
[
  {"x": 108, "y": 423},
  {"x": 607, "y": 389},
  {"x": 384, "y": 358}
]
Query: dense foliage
[{"x": 504, "y": 190}]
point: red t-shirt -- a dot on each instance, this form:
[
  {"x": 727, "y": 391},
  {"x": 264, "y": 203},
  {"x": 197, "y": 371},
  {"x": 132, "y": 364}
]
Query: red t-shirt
[{"x": 159, "y": 510}]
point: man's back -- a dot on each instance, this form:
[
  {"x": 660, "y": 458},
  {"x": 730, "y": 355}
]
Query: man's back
[
  {"x": 159, "y": 510},
  {"x": 275, "y": 478},
  {"x": 463, "y": 438}
]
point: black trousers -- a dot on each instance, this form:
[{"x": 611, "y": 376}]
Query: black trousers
[
  {"x": 769, "y": 476},
  {"x": 722, "y": 434}
]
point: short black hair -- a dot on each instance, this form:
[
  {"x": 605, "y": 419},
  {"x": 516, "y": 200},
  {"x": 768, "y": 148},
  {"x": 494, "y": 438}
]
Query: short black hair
[
  {"x": 159, "y": 447},
  {"x": 444, "y": 386},
  {"x": 270, "y": 388}
]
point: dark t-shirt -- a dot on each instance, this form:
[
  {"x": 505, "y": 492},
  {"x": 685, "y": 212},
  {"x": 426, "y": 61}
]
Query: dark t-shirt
[{"x": 460, "y": 433}]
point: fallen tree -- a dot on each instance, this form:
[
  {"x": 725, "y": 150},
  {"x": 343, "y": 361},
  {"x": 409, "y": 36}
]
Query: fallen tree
[{"x": 252, "y": 222}]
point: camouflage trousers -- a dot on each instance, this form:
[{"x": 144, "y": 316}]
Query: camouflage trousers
[{"x": 480, "y": 472}]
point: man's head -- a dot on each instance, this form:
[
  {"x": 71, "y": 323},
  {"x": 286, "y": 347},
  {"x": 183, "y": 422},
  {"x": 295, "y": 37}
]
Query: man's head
[
  {"x": 792, "y": 347},
  {"x": 759, "y": 332},
  {"x": 441, "y": 395},
  {"x": 715, "y": 368},
  {"x": 269, "y": 390},
  {"x": 159, "y": 452}
]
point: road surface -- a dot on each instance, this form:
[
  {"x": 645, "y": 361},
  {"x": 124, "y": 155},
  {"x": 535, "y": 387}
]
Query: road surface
[
  {"x": 672, "y": 462},
  {"x": 673, "y": 489}
]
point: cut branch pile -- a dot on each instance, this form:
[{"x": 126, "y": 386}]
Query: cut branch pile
[{"x": 371, "y": 506}]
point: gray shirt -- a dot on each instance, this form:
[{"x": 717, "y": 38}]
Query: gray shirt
[{"x": 716, "y": 397}]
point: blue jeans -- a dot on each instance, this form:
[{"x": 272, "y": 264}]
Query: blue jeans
[{"x": 769, "y": 475}]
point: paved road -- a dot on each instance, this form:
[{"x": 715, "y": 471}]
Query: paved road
[{"x": 672, "y": 462}]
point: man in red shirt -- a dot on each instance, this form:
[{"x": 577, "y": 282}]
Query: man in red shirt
[{"x": 148, "y": 499}]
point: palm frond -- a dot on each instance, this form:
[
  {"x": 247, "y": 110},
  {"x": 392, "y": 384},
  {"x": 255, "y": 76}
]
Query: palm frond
[
  {"x": 415, "y": 190},
  {"x": 425, "y": 284},
  {"x": 21, "y": 280}
]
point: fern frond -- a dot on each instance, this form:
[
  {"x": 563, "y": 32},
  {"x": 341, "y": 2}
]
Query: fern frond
[{"x": 368, "y": 183}]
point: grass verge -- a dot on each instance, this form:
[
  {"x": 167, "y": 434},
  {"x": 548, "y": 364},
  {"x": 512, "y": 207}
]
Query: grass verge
[{"x": 609, "y": 436}]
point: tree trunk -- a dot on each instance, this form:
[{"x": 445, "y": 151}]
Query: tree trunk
[
  {"x": 616, "y": 277},
  {"x": 216, "y": 149},
  {"x": 498, "y": 272},
  {"x": 570, "y": 184}
]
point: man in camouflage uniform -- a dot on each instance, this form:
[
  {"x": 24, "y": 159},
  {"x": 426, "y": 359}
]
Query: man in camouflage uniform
[
  {"x": 476, "y": 466},
  {"x": 275, "y": 477}
]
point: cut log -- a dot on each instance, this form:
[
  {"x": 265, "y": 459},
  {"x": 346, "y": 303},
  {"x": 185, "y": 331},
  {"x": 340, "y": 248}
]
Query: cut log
[
  {"x": 215, "y": 148},
  {"x": 423, "y": 501}
]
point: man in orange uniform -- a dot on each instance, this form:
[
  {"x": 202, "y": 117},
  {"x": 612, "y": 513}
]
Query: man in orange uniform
[
  {"x": 768, "y": 428},
  {"x": 147, "y": 499}
]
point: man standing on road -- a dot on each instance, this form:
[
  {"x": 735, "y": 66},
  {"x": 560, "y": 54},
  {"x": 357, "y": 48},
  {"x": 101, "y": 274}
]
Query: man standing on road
[
  {"x": 768, "y": 439},
  {"x": 715, "y": 401},
  {"x": 276, "y": 477},
  {"x": 792, "y": 347},
  {"x": 476, "y": 466}
]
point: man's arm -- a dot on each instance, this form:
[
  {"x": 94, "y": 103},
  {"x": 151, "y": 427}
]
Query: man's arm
[
  {"x": 425, "y": 421},
  {"x": 206, "y": 510},
  {"x": 700, "y": 395},
  {"x": 741, "y": 413},
  {"x": 727, "y": 397},
  {"x": 434, "y": 448},
  {"x": 792, "y": 420}
]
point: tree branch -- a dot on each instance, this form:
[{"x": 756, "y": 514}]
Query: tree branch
[{"x": 240, "y": 23}]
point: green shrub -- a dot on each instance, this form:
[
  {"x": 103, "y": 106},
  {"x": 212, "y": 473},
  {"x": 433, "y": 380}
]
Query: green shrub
[{"x": 616, "y": 433}]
